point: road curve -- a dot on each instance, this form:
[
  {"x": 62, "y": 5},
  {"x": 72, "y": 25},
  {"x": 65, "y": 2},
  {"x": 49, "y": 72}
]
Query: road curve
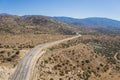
[
  {"x": 115, "y": 56},
  {"x": 26, "y": 65}
]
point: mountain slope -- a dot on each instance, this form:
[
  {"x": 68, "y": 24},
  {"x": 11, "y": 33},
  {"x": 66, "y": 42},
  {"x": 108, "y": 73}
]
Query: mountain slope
[
  {"x": 33, "y": 24},
  {"x": 91, "y": 22},
  {"x": 73, "y": 60},
  {"x": 104, "y": 25}
]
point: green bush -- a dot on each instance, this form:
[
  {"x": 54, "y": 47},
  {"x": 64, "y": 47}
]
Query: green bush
[{"x": 51, "y": 79}]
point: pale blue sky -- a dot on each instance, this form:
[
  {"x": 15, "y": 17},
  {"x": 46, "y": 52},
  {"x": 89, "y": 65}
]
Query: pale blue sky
[{"x": 70, "y": 8}]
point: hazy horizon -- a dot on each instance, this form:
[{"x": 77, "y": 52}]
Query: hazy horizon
[
  {"x": 61, "y": 16},
  {"x": 67, "y": 8}
]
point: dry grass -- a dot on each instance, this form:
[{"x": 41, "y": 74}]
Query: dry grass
[
  {"x": 14, "y": 47},
  {"x": 73, "y": 61},
  {"x": 11, "y": 44}
]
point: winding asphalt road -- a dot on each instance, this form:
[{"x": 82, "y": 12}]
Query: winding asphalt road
[{"x": 24, "y": 69}]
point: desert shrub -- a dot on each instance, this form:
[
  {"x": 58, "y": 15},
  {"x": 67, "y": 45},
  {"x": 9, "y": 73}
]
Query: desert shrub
[
  {"x": 106, "y": 68},
  {"x": 79, "y": 75},
  {"x": 60, "y": 79},
  {"x": 117, "y": 68},
  {"x": 51, "y": 79},
  {"x": 8, "y": 53},
  {"x": 30, "y": 46},
  {"x": 87, "y": 61},
  {"x": 8, "y": 59},
  {"x": 86, "y": 75},
  {"x": 6, "y": 46},
  {"x": 2, "y": 51},
  {"x": 17, "y": 52},
  {"x": 88, "y": 67},
  {"x": 49, "y": 72},
  {"x": 98, "y": 68},
  {"x": 82, "y": 63},
  {"x": 66, "y": 71},
  {"x": 46, "y": 61},
  {"x": 111, "y": 60},
  {"x": 13, "y": 56},
  {"x": 61, "y": 73},
  {"x": 101, "y": 65}
]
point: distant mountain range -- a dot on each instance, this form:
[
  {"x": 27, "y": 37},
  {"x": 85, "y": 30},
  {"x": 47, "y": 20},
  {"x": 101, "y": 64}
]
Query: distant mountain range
[
  {"x": 91, "y": 22},
  {"x": 101, "y": 24},
  {"x": 62, "y": 25}
]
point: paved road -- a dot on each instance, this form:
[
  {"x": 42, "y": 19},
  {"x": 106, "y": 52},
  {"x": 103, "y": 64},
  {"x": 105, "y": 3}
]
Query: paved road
[{"x": 24, "y": 69}]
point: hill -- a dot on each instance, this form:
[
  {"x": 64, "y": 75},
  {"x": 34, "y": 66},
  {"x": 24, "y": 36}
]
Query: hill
[
  {"x": 33, "y": 24},
  {"x": 19, "y": 34},
  {"x": 74, "y": 60},
  {"x": 103, "y": 25},
  {"x": 93, "y": 56}
]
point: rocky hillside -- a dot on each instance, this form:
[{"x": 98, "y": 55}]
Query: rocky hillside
[
  {"x": 33, "y": 24},
  {"x": 74, "y": 60}
]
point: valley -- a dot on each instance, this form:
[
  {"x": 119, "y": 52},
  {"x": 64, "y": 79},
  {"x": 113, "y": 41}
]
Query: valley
[{"x": 67, "y": 56}]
